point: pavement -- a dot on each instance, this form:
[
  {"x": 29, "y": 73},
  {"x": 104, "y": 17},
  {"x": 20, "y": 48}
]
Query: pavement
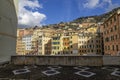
[{"x": 35, "y": 72}]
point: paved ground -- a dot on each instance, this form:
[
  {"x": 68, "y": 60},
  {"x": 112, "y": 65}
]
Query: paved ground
[{"x": 64, "y": 73}]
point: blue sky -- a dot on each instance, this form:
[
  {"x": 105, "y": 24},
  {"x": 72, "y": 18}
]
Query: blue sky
[{"x": 42, "y": 12}]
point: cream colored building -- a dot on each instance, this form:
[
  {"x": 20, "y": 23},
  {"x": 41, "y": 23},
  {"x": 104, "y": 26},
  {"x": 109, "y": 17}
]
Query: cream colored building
[
  {"x": 57, "y": 47},
  {"x": 74, "y": 43},
  {"x": 42, "y": 37},
  {"x": 20, "y": 47},
  {"x": 42, "y": 40}
]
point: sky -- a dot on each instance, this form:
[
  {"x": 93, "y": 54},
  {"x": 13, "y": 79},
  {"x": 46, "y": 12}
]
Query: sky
[{"x": 44, "y": 12}]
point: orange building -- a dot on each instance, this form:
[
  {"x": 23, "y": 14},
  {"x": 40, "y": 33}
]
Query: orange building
[
  {"x": 66, "y": 44},
  {"x": 111, "y": 34}
]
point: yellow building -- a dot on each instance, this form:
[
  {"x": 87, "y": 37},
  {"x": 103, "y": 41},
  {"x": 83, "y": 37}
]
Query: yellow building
[
  {"x": 20, "y": 47},
  {"x": 56, "y": 44},
  {"x": 74, "y": 43}
]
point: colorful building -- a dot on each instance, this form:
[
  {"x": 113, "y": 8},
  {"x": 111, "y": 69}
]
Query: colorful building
[{"x": 56, "y": 44}]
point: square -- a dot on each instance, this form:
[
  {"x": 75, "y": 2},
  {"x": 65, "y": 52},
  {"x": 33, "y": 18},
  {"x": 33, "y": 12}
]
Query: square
[
  {"x": 85, "y": 73},
  {"x": 21, "y": 71},
  {"x": 116, "y": 73},
  {"x": 50, "y": 72}
]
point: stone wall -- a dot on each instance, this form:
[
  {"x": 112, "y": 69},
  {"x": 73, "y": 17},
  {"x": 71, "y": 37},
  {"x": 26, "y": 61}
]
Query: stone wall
[
  {"x": 58, "y": 60},
  {"x": 111, "y": 60},
  {"x": 66, "y": 60}
]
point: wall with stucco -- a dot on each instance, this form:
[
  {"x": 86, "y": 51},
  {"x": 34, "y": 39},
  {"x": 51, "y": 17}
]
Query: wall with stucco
[{"x": 8, "y": 28}]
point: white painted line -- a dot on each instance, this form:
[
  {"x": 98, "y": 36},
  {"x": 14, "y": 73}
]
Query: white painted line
[
  {"x": 85, "y": 73},
  {"x": 21, "y": 71},
  {"x": 116, "y": 73},
  {"x": 50, "y": 72}
]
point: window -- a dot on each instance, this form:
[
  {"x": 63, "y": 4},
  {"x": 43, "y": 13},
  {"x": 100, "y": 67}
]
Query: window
[
  {"x": 90, "y": 46},
  {"x": 111, "y": 21},
  {"x": 97, "y": 50},
  {"x": 115, "y": 18},
  {"x": 113, "y": 37},
  {"x": 105, "y": 47},
  {"x": 80, "y": 51},
  {"x": 111, "y": 30},
  {"x": 91, "y": 50},
  {"x": 117, "y": 48},
  {"x": 106, "y": 39},
  {"x": 113, "y": 47},
  {"x": 115, "y": 27},
  {"x": 116, "y": 37},
  {"x": 97, "y": 46},
  {"x": 108, "y": 47}
]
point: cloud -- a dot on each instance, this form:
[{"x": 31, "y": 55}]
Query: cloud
[
  {"x": 110, "y": 5},
  {"x": 91, "y": 3},
  {"x": 31, "y": 16},
  {"x": 107, "y": 4}
]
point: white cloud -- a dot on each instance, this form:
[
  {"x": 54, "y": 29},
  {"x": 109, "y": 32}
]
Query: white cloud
[
  {"x": 91, "y": 3},
  {"x": 29, "y": 17},
  {"x": 107, "y": 4},
  {"x": 110, "y": 5}
]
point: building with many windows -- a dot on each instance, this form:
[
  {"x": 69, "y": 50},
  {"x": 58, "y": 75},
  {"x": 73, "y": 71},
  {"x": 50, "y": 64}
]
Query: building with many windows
[
  {"x": 56, "y": 44},
  {"x": 90, "y": 43},
  {"x": 111, "y": 34},
  {"x": 27, "y": 40},
  {"x": 66, "y": 43},
  {"x": 73, "y": 43}
]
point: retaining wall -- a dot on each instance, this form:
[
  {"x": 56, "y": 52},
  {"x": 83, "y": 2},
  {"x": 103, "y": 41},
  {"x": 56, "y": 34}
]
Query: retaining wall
[{"x": 66, "y": 60}]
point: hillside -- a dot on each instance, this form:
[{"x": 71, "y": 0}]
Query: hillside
[{"x": 96, "y": 18}]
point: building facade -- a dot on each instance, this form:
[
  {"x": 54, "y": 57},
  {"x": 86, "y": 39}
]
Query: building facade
[
  {"x": 27, "y": 40},
  {"x": 56, "y": 43},
  {"x": 111, "y": 34},
  {"x": 90, "y": 43}
]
